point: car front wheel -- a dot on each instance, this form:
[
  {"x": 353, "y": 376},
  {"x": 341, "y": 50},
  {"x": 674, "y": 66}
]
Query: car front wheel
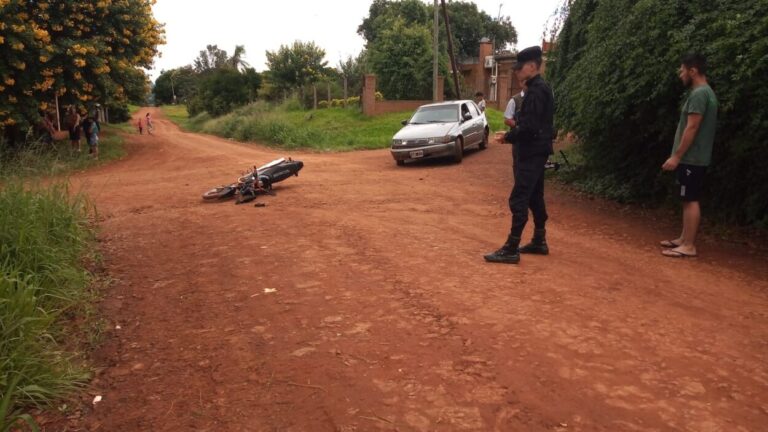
[
  {"x": 484, "y": 142},
  {"x": 458, "y": 154}
]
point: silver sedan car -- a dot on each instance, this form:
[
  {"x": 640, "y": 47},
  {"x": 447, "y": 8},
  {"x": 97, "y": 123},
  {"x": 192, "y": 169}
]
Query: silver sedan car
[{"x": 439, "y": 130}]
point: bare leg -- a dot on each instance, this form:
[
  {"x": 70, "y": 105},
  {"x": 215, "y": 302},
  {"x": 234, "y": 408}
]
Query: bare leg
[{"x": 691, "y": 221}]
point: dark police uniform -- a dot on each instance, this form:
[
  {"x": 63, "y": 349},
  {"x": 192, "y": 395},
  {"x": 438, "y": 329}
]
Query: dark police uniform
[{"x": 532, "y": 145}]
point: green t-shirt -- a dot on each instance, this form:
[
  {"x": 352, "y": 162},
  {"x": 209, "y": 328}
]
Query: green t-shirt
[{"x": 701, "y": 100}]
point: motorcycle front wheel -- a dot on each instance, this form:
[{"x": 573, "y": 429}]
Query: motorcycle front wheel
[{"x": 219, "y": 193}]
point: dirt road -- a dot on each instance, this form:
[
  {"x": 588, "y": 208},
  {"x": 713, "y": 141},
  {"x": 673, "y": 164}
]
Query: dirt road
[{"x": 384, "y": 315}]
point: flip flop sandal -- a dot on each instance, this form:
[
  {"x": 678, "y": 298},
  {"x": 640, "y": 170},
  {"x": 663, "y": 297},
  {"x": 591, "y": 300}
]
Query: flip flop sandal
[
  {"x": 677, "y": 254},
  {"x": 669, "y": 244}
]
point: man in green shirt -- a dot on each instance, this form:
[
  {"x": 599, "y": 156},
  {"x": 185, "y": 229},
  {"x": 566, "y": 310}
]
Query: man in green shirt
[{"x": 692, "y": 151}]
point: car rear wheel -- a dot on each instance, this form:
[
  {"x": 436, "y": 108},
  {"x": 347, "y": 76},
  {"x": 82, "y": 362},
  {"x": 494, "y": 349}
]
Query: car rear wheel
[{"x": 458, "y": 154}]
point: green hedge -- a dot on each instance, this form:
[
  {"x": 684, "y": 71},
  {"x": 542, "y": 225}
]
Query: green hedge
[{"x": 615, "y": 80}]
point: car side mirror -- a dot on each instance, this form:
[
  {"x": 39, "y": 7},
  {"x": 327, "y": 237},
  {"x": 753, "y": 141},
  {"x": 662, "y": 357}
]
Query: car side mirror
[{"x": 404, "y": 122}]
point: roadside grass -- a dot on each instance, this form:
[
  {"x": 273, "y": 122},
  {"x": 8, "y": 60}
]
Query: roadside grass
[
  {"x": 178, "y": 114},
  {"x": 46, "y": 297},
  {"x": 38, "y": 159},
  {"x": 48, "y": 317},
  {"x": 495, "y": 119},
  {"x": 330, "y": 129}
]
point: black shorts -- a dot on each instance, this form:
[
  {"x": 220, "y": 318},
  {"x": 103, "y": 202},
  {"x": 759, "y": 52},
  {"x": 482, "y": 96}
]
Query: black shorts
[{"x": 691, "y": 181}]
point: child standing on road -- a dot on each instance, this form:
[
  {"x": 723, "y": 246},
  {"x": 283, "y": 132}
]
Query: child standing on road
[
  {"x": 150, "y": 126},
  {"x": 140, "y": 125}
]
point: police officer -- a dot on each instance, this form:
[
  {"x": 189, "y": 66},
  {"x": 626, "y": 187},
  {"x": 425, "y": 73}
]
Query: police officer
[{"x": 531, "y": 138}]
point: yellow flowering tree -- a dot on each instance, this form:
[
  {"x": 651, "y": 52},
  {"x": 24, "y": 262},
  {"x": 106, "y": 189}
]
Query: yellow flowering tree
[{"x": 83, "y": 52}]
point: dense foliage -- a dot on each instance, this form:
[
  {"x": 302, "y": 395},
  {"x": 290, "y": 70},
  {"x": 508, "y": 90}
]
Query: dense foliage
[
  {"x": 219, "y": 91},
  {"x": 215, "y": 82},
  {"x": 468, "y": 23},
  {"x": 402, "y": 59},
  {"x": 179, "y": 82},
  {"x": 615, "y": 80},
  {"x": 82, "y": 52},
  {"x": 297, "y": 65},
  {"x": 398, "y": 38}
]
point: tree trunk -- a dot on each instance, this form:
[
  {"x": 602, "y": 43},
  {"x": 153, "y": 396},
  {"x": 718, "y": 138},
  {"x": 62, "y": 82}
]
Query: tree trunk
[
  {"x": 58, "y": 115},
  {"x": 345, "y": 90}
]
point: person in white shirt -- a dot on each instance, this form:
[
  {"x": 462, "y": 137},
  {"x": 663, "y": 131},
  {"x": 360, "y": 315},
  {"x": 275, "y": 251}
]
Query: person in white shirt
[
  {"x": 513, "y": 106},
  {"x": 480, "y": 101}
]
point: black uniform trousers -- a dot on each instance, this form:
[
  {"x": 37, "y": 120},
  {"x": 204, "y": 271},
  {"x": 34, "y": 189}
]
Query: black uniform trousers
[{"x": 528, "y": 192}]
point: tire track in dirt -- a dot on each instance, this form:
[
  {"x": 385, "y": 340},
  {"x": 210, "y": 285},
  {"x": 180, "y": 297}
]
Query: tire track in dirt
[{"x": 385, "y": 317}]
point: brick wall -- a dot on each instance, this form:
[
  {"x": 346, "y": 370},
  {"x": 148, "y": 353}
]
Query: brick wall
[{"x": 372, "y": 107}]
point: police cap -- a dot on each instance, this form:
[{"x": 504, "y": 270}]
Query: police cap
[{"x": 529, "y": 54}]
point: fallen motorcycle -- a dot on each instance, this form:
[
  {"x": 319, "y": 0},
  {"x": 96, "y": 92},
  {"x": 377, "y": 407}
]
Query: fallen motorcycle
[{"x": 258, "y": 181}]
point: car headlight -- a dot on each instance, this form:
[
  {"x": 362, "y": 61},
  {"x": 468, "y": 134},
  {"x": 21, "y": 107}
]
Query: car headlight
[
  {"x": 396, "y": 142},
  {"x": 440, "y": 140}
]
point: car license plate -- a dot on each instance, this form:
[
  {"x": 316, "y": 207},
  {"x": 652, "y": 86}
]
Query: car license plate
[{"x": 417, "y": 154}]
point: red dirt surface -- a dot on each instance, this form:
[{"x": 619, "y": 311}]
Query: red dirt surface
[{"x": 385, "y": 316}]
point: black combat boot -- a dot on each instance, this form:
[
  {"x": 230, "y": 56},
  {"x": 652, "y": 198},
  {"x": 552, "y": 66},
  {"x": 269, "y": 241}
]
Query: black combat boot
[
  {"x": 538, "y": 245},
  {"x": 508, "y": 254}
]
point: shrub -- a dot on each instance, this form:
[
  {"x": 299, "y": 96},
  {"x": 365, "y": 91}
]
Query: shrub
[
  {"x": 292, "y": 104},
  {"x": 616, "y": 87},
  {"x": 323, "y": 104}
]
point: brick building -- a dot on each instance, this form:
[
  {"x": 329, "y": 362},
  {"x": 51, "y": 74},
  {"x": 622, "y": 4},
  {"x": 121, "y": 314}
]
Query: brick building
[{"x": 492, "y": 74}]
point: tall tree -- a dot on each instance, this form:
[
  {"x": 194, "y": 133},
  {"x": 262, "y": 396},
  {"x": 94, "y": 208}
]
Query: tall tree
[
  {"x": 402, "y": 59},
  {"x": 469, "y": 25},
  {"x": 297, "y": 65},
  {"x": 352, "y": 70},
  {"x": 212, "y": 57},
  {"x": 236, "y": 61},
  {"x": 382, "y": 13},
  {"x": 181, "y": 82},
  {"x": 82, "y": 52},
  {"x": 223, "y": 89}
]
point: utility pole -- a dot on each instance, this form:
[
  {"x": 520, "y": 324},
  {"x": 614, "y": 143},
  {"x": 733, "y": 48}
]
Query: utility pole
[
  {"x": 450, "y": 51},
  {"x": 436, "y": 53}
]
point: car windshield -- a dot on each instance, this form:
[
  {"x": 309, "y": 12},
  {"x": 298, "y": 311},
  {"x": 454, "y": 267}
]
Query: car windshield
[{"x": 435, "y": 114}]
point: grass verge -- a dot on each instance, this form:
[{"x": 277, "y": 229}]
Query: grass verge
[
  {"x": 45, "y": 239},
  {"x": 331, "y": 129},
  {"x": 38, "y": 159},
  {"x": 179, "y": 115}
]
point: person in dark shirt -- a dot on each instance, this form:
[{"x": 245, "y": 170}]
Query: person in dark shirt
[{"x": 531, "y": 138}]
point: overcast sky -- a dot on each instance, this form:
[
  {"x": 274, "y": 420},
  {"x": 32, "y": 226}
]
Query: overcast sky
[{"x": 190, "y": 25}]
